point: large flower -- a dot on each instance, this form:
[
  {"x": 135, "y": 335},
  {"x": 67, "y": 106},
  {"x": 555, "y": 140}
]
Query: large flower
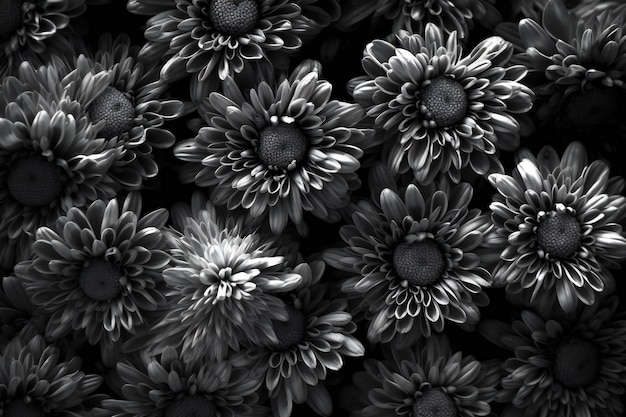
[
  {"x": 222, "y": 286},
  {"x": 413, "y": 15},
  {"x": 413, "y": 257},
  {"x": 279, "y": 149},
  {"x": 98, "y": 270},
  {"x": 40, "y": 380},
  {"x": 425, "y": 379},
  {"x": 50, "y": 157},
  {"x": 172, "y": 385},
  {"x": 576, "y": 66},
  {"x": 312, "y": 341},
  {"x": 441, "y": 111},
  {"x": 557, "y": 227},
  {"x": 129, "y": 111},
  {"x": 28, "y": 24},
  {"x": 213, "y": 39},
  {"x": 563, "y": 366}
]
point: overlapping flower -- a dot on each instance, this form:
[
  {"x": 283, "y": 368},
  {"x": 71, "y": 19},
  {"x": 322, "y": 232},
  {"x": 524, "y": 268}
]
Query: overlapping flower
[{"x": 439, "y": 110}]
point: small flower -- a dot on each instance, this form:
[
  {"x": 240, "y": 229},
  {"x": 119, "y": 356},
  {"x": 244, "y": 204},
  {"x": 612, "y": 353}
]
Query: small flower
[
  {"x": 171, "y": 385},
  {"x": 440, "y": 111},
  {"x": 222, "y": 286},
  {"x": 413, "y": 15},
  {"x": 576, "y": 65},
  {"x": 413, "y": 257},
  {"x": 214, "y": 39},
  {"x": 312, "y": 341},
  {"x": 40, "y": 380},
  {"x": 50, "y": 158},
  {"x": 18, "y": 314},
  {"x": 29, "y": 24},
  {"x": 279, "y": 150},
  {"x": 98, "y": 270},
  {"x": 426, "y": 379},
  {"x": 557, "y": 227},
  {"x": 571, "y": 365}
]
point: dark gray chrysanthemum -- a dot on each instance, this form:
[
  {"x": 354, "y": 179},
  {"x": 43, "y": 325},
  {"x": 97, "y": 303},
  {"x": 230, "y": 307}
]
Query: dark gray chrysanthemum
[
  {"x": 40, "y": 380},
  {"x": 98, "y": 270},
  {"x": 18, "y": 314},
  {"x": 440, "y": 111},
  {"x": 171, "y": 385},
  {"x": 213, "y": 39},
  {"x": 50, "y": 157},
  {"x": 278, "y": 150},
  {"x": 577, "y": 65},
  {"x": 563, "y": 366},
  {"x": 413, "y": 257},
  {"x": 413, "y": 15},
  {"x": 28, "y": 24},
  {"x": 222, "y": 286},
  {"x": 312, "y": 341},
  {"x": 557, "y": 227},
  {"x": 425, "y": 379}
]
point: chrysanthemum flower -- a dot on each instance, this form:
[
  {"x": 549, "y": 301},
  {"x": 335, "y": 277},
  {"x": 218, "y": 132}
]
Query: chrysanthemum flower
[
  {"x": 172, "y": 385},
  {"x": 413, "y": 15},
  {"x": 214, "y": 39},
  {"x": 129, "y": 111},
  {"x": 425, "y": 379},
  {"x": 222, "y": 286},
  {"x": 50, "y": 158},
  {"x": 18, "y": 314},
  {"x": 312, "y": 341},
  {"x": 440, "y": 111},
  {"x": 28, "y": 24},
  {"x": 413, "y": 257},
  {"x": 576, "y": 66},
  {"x": 557, "y": 227},
  {"x": 98, "y": 270},
  {"x": 563, "y": 366},
  {"x": 40, "y": 380},
  {"x": 278, "y": 150}
]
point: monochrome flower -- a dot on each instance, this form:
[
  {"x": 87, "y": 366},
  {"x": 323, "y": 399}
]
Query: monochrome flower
[{"x": 441, "y": 111}]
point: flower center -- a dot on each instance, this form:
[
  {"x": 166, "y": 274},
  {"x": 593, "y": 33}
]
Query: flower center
[
  {"x": 234, "y": 17},
  {"x": 576, "y": 363},
  {"x": 34, "y": 181},
  {"x": 290, "y": 332},
  {"x": 434, "y": 403},
  {"x": 18, "y": 408},
  {"x": 115, "y": 109},
  {"x": 558, "y": 234},
  {"x": 10, "y": 16},
  {"x": 445, "y": 100},
  {"x": 281, "y": 146},
  {"x": 594, "y": 107},
  {"x": 420, "y": 263},
  {"x": 191, "y": 406},
  {"x": 100, "y": 280}
]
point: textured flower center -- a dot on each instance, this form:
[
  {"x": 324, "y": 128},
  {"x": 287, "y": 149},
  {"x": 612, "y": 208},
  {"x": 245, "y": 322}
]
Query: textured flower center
[
  {"x": 290, "y": 332},
  {"x": 434, "y": 403},
  {"x": 18, "y": 408},
  {"x": 576, "y": 363},
  {"x": 234, "y": 17},
  {"x": 10, "y": 16},
  {"x": 115, "y": 109},
  {"x": 191, "y": 406},
  {"x": 281, "y": 146},
  {"x": 445, "y": 101},
  {"x": 558, "y": 234},
  {"x": 100, "y": 280},
  {"x": 594, "y": 107},
  {"x": 34, "y": 181},
  {"x": 420, "y": 263}
]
